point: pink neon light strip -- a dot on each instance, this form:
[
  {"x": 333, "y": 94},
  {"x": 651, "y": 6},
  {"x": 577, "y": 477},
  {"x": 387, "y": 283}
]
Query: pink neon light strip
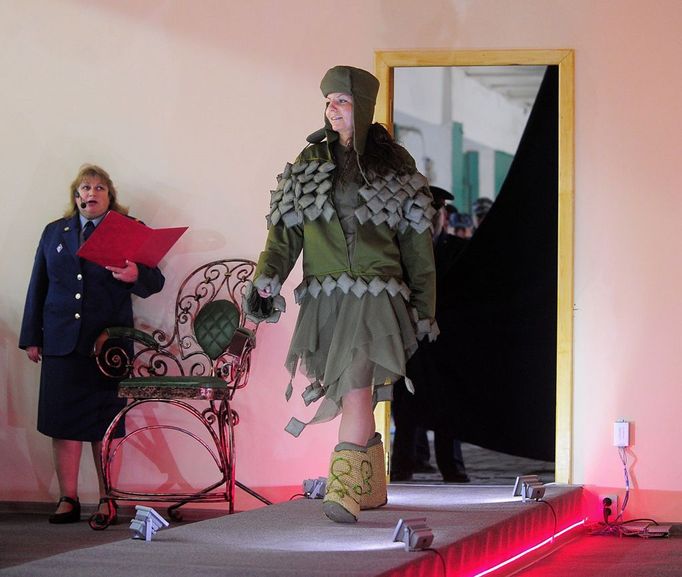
[{"x": 530, "y": 550}]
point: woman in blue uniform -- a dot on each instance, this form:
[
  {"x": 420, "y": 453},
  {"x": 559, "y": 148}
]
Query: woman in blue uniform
[{"x": 68, "y": 304}]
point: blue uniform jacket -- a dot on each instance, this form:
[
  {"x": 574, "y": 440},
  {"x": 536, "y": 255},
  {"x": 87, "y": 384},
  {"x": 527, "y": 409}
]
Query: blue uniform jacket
[{"x": 70, "y": 301}]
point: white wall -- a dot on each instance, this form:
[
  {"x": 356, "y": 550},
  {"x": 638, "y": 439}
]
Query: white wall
[
  {"x": 194, "y": 107},
  {"x": 439, "y": 96},
  {"x": 486, "y": 116},
  {"x": 427, "y": 141},
  {"x": 426, "y": 103},
  {"x": 419, "y": 92}
]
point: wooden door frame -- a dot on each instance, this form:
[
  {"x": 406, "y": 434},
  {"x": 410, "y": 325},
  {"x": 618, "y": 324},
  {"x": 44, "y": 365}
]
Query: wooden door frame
[{"x": 385, "y": 63}]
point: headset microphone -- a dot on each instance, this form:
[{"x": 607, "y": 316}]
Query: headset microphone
[{"x": 78, "y": 195}]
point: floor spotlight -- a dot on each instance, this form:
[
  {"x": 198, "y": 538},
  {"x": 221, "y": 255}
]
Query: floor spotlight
[
  {"x": 529, "y": 487},
  {"x": 533, "y": 492},
  {"x": 414, "y": 533},
  {"x": 315, "y": 488},
  {"x": 146, "y": 523}
]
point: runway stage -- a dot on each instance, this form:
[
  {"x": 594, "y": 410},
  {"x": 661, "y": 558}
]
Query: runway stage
[{"x": 475, "y": 528}]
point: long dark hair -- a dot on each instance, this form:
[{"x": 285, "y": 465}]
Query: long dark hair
[{"x": 383, "y": 154}]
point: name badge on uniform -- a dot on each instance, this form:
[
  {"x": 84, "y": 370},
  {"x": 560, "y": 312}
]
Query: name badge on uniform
[{"x": 60, "y": 247}]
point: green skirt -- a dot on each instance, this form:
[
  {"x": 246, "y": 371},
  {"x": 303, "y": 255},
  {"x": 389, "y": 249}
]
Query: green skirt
[{"x": 343, "y": 342}]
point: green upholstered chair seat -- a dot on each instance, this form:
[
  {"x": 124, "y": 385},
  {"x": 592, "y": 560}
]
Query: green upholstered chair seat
[
  {"x": 214, "y": 326},
  {"x": 173, "y": 387}
]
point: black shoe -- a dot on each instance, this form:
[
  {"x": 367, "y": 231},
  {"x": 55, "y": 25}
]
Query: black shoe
[
  {"x": 424, "y": 467},
  {"x": 72, "y": 516},
  {"x": 99, "y": 521},
  {"x": 457, "y": 477},
  {"x": 400, "y": 476}
]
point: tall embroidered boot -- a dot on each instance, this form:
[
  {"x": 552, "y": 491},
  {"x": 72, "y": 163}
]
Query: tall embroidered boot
[
  {"x": 374, "y": 494},
  {"x": 349, "y": 473}
]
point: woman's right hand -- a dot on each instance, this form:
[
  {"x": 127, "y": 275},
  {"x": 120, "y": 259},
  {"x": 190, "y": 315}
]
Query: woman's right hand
[{"x": 34, "y": 353}]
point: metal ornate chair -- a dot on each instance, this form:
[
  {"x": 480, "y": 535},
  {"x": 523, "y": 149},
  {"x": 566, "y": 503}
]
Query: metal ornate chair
[{"x": 207, "y": 357}]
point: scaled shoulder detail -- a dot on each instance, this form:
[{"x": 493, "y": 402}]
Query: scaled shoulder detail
[
  {"x": 303, "y": 189},
  {"x": 400, "y": 201}
]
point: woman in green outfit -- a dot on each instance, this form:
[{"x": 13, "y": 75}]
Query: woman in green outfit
[{"x": 354, "y": 204}]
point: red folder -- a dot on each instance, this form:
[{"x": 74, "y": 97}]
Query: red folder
[{"x": 119, "y": 238}]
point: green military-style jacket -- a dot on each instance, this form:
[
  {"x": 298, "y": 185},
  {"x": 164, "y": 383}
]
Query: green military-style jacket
[{"x": 393, "y": 246}]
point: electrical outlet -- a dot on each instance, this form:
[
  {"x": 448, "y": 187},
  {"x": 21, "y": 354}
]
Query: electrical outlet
[
  {"x": 621, "y": 433},
  {"x": 609, "y": 506}
]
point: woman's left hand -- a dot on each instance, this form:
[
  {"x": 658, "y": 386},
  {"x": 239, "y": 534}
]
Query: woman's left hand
[{"x": 128, "y": 273}]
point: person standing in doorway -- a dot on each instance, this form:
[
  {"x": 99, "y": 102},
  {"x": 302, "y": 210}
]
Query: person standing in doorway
[{"x": 407, "y": 458}]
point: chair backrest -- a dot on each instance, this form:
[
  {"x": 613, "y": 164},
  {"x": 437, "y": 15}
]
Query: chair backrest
[
  {"x": 220, "y": 279},
  {"x": 214, "y": 326},
  {"x": 211, "y": 335}
]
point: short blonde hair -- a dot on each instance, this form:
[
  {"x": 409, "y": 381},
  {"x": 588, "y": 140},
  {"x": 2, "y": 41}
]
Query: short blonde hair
[{"x": 93, "y": 170}]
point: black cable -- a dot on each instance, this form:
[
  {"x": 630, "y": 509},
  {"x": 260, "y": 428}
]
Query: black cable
[
  {"x": 621, "y": 529},
  {"x": 638, "y": 520},
  {"x": 553, "y": 513},
  {"x": 442, "y": 559},
  {"x": 618, "y": 526},
  {"x": 297, "y": 495}
]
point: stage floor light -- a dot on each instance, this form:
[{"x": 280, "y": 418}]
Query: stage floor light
[
  {"x": 414, "y": 533},
  {"x": 146, "y": 523}
]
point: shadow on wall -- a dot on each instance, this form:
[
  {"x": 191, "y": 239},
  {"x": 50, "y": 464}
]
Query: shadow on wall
[{"x": 24, "y": 453}]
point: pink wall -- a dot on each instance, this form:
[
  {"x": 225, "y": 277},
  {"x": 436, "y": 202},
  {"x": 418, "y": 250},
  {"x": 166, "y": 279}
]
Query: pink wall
[{"x": 194, "y": 111}]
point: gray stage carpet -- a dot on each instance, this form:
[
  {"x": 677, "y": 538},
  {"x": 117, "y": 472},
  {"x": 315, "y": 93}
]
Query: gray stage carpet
[{"x": 474, "y": 528}]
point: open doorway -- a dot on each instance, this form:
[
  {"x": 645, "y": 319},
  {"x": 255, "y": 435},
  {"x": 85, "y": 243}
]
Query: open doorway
[
  {"x": 462, "y": 125},
  {"x": 468, "y": 186}
]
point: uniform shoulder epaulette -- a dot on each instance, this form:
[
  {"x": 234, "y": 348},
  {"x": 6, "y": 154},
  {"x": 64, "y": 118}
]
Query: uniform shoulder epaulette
[{"x": 63, "y": 219}]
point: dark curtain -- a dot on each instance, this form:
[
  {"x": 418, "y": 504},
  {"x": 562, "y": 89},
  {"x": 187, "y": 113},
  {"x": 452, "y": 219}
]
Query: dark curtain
[{"x": 491, "y": 375}]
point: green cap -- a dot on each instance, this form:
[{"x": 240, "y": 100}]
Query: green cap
[{"x": 363, "y": 87}]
